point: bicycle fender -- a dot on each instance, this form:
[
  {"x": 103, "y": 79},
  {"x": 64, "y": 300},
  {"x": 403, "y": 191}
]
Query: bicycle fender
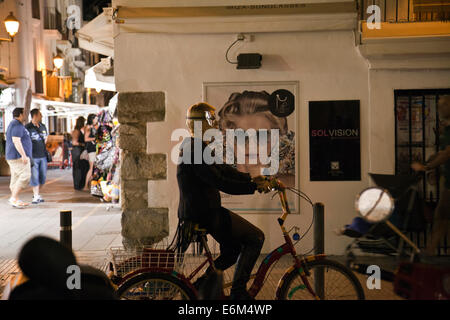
[
  {"x": 294, "y": 268},
  {"x": 282, "y": 280},
  {"x": 171, "y": 273}
]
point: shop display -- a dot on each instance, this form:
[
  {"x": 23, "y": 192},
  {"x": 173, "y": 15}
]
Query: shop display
[
  {"x": 105, "y": 183},
  {"x": 416, "y": 134}
]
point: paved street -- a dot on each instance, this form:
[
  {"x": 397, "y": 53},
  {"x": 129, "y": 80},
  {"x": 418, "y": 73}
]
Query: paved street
[{"x": 95, "y": 228}]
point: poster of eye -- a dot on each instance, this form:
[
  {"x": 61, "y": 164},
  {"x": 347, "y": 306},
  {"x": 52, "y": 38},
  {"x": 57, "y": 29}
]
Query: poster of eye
[
  {"x": 334, "y": 140},
  {"x": 258, "y": 121}
]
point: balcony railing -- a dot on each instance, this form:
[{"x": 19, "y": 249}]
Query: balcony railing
[
  {"x": 52, "y": 19},
  {"x": 396, "y": 11}
]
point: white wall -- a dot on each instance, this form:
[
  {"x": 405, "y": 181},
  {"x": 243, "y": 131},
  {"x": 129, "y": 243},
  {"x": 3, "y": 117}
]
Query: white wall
[
  {"x": 382, "y": 117},
  {"x": 326, "y": 64},
  {"x": 328, "y": 67},
  {"x": 9, "y": 50}
]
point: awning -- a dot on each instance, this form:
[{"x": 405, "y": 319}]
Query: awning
[
  {"x": 97, "y": 35},
  {"x": 59, "y": 108},
  {"x": 95, "y": 77},
  {"x": 232, "y": 16},
  {"x": 113, "y": 104},
  {"x": 225, "y": 16}
]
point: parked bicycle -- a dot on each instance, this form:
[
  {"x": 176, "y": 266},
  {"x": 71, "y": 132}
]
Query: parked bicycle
[
  {"x": 388, "y": 209},
  {"x": 158, "y": 274}
]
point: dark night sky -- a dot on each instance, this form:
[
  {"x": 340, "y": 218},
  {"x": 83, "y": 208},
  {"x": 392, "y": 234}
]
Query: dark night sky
[{"x": 92, "y": 8}]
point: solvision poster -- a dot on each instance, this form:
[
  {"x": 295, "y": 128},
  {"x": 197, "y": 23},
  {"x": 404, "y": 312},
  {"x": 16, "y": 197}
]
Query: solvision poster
[{"x": 334, "y": 140}]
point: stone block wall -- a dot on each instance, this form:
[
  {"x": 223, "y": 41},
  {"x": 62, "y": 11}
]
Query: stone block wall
[{"x": 141, "y": 225}]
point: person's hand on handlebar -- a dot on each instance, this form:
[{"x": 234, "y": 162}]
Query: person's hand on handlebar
[
  {"x": 417, "y": 166},
  {"x": 262, "y": 184}
]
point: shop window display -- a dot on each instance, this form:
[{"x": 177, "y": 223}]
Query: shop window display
[
  {"x": 105, "y": 183},
  {"x": 417, "y": 134}
]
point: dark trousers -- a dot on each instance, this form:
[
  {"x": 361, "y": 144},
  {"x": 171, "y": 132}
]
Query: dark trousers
[
  {"x": 239, "y": 241},
  {"x": 79, "y": 168}
]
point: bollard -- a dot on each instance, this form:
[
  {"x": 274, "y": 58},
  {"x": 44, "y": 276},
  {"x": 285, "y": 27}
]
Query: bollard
[
  {"x": 65, "y": 233},
  {"x": 319, "y": 247}
]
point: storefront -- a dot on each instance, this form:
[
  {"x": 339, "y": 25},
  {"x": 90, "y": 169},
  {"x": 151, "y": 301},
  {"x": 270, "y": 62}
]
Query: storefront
[{"x": 166, "y": 61}]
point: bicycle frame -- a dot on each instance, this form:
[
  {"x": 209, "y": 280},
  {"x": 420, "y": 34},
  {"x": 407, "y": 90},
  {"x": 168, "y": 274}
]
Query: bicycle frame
[
  {"x": 287, "y": 248},
  {"x": 300, "y": 264}
]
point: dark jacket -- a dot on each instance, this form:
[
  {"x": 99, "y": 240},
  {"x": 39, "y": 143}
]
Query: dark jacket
[{"x": 199, "y": 185}]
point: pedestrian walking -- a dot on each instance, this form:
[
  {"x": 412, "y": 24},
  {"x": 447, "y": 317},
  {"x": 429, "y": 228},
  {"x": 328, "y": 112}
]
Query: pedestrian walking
[
  {"x": 67, "y": 163},
  {"x": 18, "y": 156},
  {"x": 38, "y": 133},
  {"x": 91, "y": 145},
  {"x": 80, "y": 166}
]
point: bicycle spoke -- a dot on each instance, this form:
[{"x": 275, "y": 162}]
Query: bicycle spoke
[
  {"x": 337, "y": 284},
  {"x": 154, "y": 289}
]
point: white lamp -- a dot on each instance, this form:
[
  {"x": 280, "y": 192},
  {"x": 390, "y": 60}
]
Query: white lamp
[
  {"x": 12, "y": 25},
  {"x": 58, "y": 61}
]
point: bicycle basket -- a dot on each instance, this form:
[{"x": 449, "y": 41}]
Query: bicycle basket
[{"x": 126, "y": 261}]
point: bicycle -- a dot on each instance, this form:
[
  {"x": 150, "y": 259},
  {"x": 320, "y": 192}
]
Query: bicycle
[{"x": 157, "y": 274}]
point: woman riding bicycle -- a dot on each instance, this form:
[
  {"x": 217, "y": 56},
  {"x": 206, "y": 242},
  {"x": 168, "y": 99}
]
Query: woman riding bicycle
[{"x": 199, "y": 184}]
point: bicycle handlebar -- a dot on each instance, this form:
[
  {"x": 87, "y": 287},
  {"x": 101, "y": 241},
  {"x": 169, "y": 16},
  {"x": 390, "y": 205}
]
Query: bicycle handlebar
[{"x": 276, "y": 184}]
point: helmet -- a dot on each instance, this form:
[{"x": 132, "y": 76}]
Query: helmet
[{"x": 201, "y": 112}]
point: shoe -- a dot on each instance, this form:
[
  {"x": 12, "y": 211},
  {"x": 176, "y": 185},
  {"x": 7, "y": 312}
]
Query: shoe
[
  {"x": 245, "y": 263},
  {"x": 210, "y": 287},
  {"x": 37, "y": 199},
  {"x": 19, "y": 204},
  {"x": 198, "y": 283}
]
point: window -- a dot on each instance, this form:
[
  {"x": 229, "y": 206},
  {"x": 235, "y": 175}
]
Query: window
[
  {"x": 38, "y": 82},
  {"x": 35, "y": 9},
  {"x": 416, "y": 139},
  {"x": 417, "y": 133}
]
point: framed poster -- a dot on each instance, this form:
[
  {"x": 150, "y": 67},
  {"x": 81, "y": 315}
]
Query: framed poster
[
  {"x": 334, "y": 140},
  {"x": 263, "y": 107}
]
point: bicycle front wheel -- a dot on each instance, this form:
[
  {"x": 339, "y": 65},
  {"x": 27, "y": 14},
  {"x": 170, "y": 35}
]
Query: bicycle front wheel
[
  {"x": 329, "y": 279},
  {"x": 155, "y": 286}
]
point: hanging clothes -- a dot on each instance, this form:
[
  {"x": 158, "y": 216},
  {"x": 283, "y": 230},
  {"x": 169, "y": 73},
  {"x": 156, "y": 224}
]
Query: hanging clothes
[{"x": 106, "y": 161}]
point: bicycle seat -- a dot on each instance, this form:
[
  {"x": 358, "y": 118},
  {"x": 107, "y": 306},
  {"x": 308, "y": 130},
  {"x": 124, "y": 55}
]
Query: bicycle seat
[{"x": 199, "y": 231}]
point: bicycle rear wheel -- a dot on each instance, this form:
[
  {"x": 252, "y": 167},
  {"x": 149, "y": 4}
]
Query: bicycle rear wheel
[
  {"x": 155, "y": 286},
  {"x": 339, "y": 283}
]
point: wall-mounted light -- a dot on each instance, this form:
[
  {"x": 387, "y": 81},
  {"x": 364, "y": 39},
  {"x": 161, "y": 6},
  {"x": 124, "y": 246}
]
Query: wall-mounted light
[
  {"x": 245, "y": 60},
  {"x": 58, "y": 61},
  {"x": 12, "y": 25},
  {"x": 249, "y": 61}
]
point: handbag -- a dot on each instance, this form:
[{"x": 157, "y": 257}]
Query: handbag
[
  {"x": 48, "y": 155},
  {"x": 84, "y": 155}
]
